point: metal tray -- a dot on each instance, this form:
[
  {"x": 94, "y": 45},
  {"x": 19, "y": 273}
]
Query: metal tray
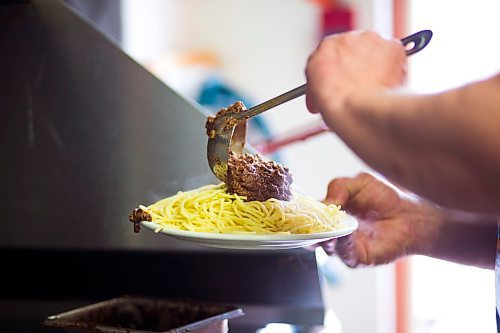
[{"x": 140, "y": 314}]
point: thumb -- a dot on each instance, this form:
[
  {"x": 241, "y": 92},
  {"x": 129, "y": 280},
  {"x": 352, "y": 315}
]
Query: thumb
[
  {"x": 338, "y": 192},
  {"x": 343, "y": 190}
]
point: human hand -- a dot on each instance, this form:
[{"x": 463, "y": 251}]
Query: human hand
[
  {"x": 392, "y": 224},
  {"x": 348, "y": 66}
]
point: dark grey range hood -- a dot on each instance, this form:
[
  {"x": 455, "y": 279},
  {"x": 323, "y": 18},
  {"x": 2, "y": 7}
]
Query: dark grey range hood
[{"x": 87, "y": 134}]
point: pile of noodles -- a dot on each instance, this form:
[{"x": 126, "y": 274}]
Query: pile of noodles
[{"x": 212, "y": 209}]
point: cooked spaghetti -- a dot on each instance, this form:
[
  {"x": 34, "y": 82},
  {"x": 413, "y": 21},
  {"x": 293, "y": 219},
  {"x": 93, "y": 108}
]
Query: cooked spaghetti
[{"x": 212, "y": 209}]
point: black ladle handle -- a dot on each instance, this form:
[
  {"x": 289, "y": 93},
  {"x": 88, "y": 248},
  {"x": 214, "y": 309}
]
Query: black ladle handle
[{"x": 417, "y": 41}]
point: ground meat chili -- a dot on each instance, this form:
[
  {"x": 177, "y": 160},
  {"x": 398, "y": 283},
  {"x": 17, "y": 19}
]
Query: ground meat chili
[
  {"x": 137, "y": 216},
  {"x": 249, "y": 175},
  {"x": 209, "y": 126}
]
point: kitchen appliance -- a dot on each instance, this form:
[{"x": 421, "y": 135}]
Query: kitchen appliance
[
  {"x": 146, "y": 315},
  {"x": 86, "y": 134}
]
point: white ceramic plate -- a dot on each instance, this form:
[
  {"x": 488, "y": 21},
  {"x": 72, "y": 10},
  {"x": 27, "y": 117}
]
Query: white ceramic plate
[{"x": 257, "y": 242}]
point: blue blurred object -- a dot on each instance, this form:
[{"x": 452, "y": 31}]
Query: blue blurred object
[{"x": 215, "y": 95}]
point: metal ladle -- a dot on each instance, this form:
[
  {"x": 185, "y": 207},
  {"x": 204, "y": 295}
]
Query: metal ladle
[{"x": 230, "y": 129}]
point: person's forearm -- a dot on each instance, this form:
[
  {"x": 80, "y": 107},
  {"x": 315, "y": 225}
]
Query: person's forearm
[
  {"x": 462, "y": 238},
  {"x": 445, "y": 147}
]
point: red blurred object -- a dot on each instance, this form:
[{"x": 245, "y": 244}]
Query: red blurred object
[
  {"x": 337, "y": 19},
  {"x": 270, "y": 146},
  {"x": 325, "y": 4},
  {"x": 335, "y": 16},
  {"x": 399, "y": 13}
]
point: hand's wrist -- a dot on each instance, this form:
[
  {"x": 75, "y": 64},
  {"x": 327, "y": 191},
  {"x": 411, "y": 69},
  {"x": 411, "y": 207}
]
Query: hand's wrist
[
  {"x": 466, "y": 238},
  {"x": 428, "y": 224}
]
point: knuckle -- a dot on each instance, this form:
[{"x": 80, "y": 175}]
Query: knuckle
[
  {"x": 326, "y": 43},
  {"x": 369, "y": 34},
  {"x": 349, "y": 260},
  {"x": 334, "y": 183},
  {"x": 364, "y": 176}
]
